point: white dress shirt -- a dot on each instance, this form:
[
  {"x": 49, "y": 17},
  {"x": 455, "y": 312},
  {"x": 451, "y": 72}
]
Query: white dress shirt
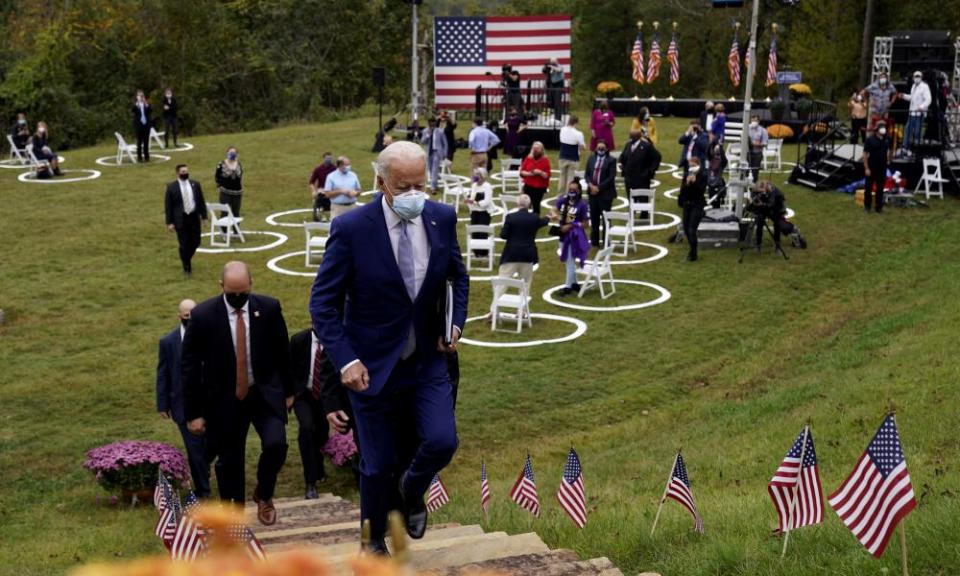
[
  {"x": 232, "y": 316},
  {"x": 418, "y": 238},
  {"x": 314, "y": 343},
  {"x": 919, "y": 97},
  {"x": 182, "y": 332},
  {"x": 186, "y": 192}
]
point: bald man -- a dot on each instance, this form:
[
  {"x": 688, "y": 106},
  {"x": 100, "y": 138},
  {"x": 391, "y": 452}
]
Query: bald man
[
  {"x": 235, "y": 373},
  {"x": 170, "y": 400}
]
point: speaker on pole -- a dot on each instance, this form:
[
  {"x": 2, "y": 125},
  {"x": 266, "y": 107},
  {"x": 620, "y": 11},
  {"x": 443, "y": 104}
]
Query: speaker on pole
[{"x": 379, "y": 77}]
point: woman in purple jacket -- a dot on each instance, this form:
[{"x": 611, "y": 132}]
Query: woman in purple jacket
[{"x": 573, "y": 216}]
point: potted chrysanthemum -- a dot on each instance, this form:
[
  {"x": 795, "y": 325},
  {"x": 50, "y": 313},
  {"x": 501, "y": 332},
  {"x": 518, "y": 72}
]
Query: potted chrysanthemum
[{"x": 131, "y": 467}]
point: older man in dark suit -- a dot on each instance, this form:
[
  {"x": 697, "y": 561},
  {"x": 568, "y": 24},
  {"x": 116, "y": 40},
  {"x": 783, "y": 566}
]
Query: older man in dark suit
[
  {"x": 185, "y": 208},
  {"x": 236, "y": 373},
  {"x": 601, "y": 176},
  {"x": 520, "y": 252},
  {"x": 170, "y": 400}
]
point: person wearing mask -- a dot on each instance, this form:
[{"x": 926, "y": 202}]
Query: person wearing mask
[
  {"x": 520, "y": 251},
  {"x": 142, "y": 114},
  {"x": 601, "y": 175},
  {"x": 645, "y": 124},
  {"x": 435, "y": 142},
  {"x": 448, "y": 123},
  {"x": 758, "y": 138},
  {"x": 170, "y": 400},
  {"x": 706, "y": 116},
  {"x": 515, "y": 123},
  {"x": 858, "y": 117},
  {"x": 920, "y": 100},
  {"x": 535, "y": 173},
  {"x": 342, "y": 188},
  {"x": 185, "y": 208},
  {"x": 229, "y": 178},
  {"x": 480, "y": 141},
  {"x": 639, "y": 162},
  {"x": 882, "y": 93},
  {"x": 719, "y": 124},
  {"x": 571, "y": 145},
  {"x": 318, "y": 179},
  {"x": 691, "y": 200},
  {"x": 307, "y": 366},
  {"x": 876, "y": 158},
  {"x": 170, "y": 110},
  {"x": 601, "y": 126},
  {"x": 41, "y": 148},
  {"x": 572, "y": 215},
  {"x": 20, "y": 132},
  {"x": 693, "y": 144},
  {"x": 553, "y": 72},
  {"x": 479, "y": 200},
  {"x": 236, "y": 373}
]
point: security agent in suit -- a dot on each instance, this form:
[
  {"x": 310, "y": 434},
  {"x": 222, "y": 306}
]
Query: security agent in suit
[
  {"x": 185, "y": 208},
  {"x": 236, "y": 373},
  {"x": 374, "y": 306},
  {"x": 309, "y": 367},
  {"x": 693, "y": 144},
  {"x": 601, "y": 174},
  {"x": 170, "y": 400},
  {"x": 142, "y": 116}
]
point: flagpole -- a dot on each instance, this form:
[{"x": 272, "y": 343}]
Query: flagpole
[
  {"x": 664, "y": 497},
  {"x": 796, "y": 489},
  {"x": 903, "y": 548}
]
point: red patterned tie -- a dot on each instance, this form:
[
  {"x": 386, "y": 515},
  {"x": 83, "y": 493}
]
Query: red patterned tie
[
  {"x": 243, "y": 385},
  {"x": 315, "y": 384}
]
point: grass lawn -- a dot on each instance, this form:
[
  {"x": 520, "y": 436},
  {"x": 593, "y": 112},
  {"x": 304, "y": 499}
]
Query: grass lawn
[{"x": 729, "y": 368}]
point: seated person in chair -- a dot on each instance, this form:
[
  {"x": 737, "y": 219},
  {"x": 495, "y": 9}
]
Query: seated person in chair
[
  {"x": 20, "y": 132},
  {"x": 41, "y": 148}
]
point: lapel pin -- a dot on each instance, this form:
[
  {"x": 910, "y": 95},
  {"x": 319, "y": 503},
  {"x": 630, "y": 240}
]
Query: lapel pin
[
  {"x": 256, "y": 313},
  {"x": 433, "y": 222}
]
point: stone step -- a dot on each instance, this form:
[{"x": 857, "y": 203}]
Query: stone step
[
  {"x": 444, "y": 537},
  {"x": 294, "y": 502},
  {"x": 478, "y": 550},
  {"x": 553, "y": 563},
  {"x": 321, "y": 514}
]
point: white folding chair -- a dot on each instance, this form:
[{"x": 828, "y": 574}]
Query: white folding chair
[
  {"x": 733, "y": 151},
  {"x": 317, "y": 234},
  {"x": 732, "y": 132},
  {"x": 35, "y": 163},
  {"x": 223, "y": 223},
  {"x": 124, "y": 149},
  {"x": 642, "y": 200},
  {"x": 376, "y": 172},
  {"x": 17, "y": 154},
  {"x": 487, "y": 244},
  {"x": 771, "y": 154},
  {"x": 157, "y": 137},
  {"x": 510, "y": 175},
  {"x": 452, "y": 191},
  {"x": 446, "y": 167},
  {"x": 932, "y": 175},
  {"x": 510, "y": 294},
  {"x": 619, "y": 230},
  {"x": 509, "y": 203},
  {"x": 597, "y": 271}
]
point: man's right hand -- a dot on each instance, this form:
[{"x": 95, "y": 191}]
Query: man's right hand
[
  {"x": 356, "y": 377},
  {"x": 171, "y": 228},
  {"x": 866, "y": 172},
  {"x": 197, "y": 426},
  {"x": 339, "y": 421}
]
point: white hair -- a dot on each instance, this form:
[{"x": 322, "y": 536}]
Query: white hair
[
  {"x": 523, "y": 201},
  {"x": 398, "y": 151}
]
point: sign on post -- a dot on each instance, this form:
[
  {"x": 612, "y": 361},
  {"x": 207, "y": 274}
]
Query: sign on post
[{"x": 789, "y": 77}]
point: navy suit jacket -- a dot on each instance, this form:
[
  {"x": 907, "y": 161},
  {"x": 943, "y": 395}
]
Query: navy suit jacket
[
  {"x": 360, "y": 307},
  {"x": 699, "y": 148},
  {"x": 169, "y": 390}
]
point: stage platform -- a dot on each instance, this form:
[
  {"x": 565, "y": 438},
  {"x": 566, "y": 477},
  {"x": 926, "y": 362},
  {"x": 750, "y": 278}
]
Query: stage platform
[{"x": 679, "y": 107}]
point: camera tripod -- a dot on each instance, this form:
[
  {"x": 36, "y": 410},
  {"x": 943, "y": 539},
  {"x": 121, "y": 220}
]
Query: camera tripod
[{"x": 748, "y": 239}]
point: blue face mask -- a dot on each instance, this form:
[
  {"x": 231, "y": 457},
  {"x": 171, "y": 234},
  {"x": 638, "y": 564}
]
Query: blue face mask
[
  {"x": 408, "y": 206},
  {"x": 231, "y": 156}
]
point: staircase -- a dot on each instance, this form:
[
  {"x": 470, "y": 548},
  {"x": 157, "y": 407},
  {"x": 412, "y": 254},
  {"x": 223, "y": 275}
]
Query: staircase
[
  {"x": 331, "y": 526},
  {"x": 951, "y": 167}
]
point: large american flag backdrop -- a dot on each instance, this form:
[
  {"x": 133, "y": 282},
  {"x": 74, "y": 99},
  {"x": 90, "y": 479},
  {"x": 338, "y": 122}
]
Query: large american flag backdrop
[{"x": 471, "y": 51}]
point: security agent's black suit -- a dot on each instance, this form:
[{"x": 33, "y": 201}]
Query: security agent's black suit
[
  {"x": 692, "y": 199},
  {"x": 602, "y": 201},
  {"x": 639, "y": 164},
  {"x": 520, "y": 231},
  {"x": 186, "y": 225},
  {"x": 314, "y": 428},
  {"x": 142, "y": 130},
  {"x": 209, "y": 387}
]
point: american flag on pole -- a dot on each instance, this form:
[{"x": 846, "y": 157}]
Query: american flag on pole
[
  {"x": 636, "y": 57},
  {"x": 878, "y": 493},
  {"x": 772, "y": 63},
  {"x": 484, "y": 488},
  {"x": 244, "y": 536},
  {"x": 524, "y": 491},
  {"x": 679, "y": 490},
  {"x": 795, "y": 487},
  {"x": 158, "y": 490},
  {"x": 471, "y": 51},
  {"x": 673, "y": 57},
  {"x": 170, "y": 512},
  {"x": 189, "y": 541},
  {"x": 571, "y": 496},
  {"x": 437, "y": 495},
  {"x": 733, "y": 62},
  {"x": 653, "y": 63}
]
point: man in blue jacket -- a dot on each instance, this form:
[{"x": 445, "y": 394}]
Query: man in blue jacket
[{"x": 377, "y": 307}]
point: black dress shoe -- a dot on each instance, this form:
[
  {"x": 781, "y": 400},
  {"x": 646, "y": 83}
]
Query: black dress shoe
[
  {"x": 377, "y": 548},
  {"x": 414, "y": 514},
  {"x": 311, "y": 492}
]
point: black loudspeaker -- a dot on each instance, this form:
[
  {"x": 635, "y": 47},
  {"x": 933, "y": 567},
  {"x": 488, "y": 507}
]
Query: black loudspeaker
[{"x": 379, "y": 77}]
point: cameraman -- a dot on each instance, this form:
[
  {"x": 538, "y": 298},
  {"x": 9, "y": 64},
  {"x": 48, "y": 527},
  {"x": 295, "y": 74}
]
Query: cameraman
[
  {"x": 766, "y": 203},
  {"x": 691, "y": 200},
  {"x": 510, "y": 81},
  {"x": 553, "y": 73}
]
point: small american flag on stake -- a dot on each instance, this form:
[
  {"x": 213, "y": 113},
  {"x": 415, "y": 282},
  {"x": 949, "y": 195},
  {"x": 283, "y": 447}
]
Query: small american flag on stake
[
  {"x": 795, "y": 487},
  {"x": 244, "y": 535},
  {"x": 524, "y": 491},
  {"x": 571, "y": 496},
  {"x": 678, "y": 488},
  {"x": 484, "y": 488},
  {"x": 437, "y": 495},
  {"x": 188, "y": 543},
  {"x": 878, "y": 493},
  {"x": 170, "y": 512}
]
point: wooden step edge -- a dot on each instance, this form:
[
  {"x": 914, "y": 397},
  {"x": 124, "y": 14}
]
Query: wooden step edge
[{"x": 283, "y": 533}]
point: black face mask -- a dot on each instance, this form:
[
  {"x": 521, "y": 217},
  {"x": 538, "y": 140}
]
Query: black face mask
[
  {"x": 184, "y": 176},
  {"x": 184, "y": 322},
  {"x": 237, "y": 299}
]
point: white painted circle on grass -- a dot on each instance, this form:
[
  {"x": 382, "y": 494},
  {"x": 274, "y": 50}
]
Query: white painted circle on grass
[
  {"x": 581, "y": 328},
  {"x": 274, "y": 265},
  {"x": 181, "y": 147},
  {"x": 112, "y": 161},
  {"x": 488, "y": 278},
  {"x": 661, "y": 252},
  {"x": 674, "y": 220},
  {"x": 14, "y": 165},
  {"x": 272, "y": 219},
  {"x": 279, "y": 240},
  {"x": 664, "y": 296},
  {"x": 667, "y": 167},
  {"x": 671, "y": 193},
  {"x": 90, "y": 175}
]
